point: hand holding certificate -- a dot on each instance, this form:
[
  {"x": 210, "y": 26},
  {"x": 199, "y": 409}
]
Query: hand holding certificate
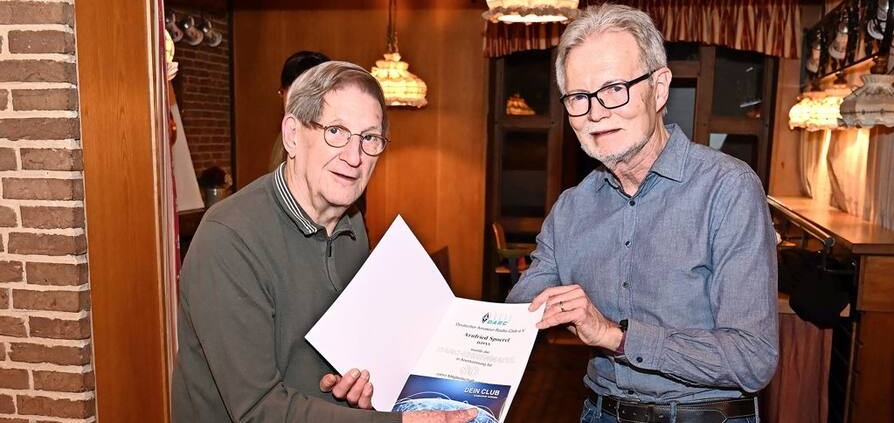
[{"x": 425, "y": 349}]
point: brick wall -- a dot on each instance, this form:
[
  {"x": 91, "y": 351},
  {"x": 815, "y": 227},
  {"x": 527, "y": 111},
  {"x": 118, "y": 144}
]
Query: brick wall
[
  {"x": 203, "y": 93},
  {"x": 46, "y": 373}
]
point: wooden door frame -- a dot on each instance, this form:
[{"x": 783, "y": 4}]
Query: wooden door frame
[{"x": 123, "y": 134}]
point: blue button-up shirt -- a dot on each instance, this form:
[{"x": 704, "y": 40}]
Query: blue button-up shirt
[{"x": 689, "y": 261}]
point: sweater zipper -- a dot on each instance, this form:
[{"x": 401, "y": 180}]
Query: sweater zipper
[{"x": 328, "y": 259}]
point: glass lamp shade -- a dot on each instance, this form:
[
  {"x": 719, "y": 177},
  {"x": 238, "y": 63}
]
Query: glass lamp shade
[
  {"x": 870, "y": 105},
  {"x": 838, "y": 48},
  {"x": 530, "y": 11},
  {"x": 401, "y": 87},
  {"x": 170, "y": 64},
  {"x": 799, "y": 114},
  {"x": 876, "y": 26},
  {"x": 824, "y": 114}
]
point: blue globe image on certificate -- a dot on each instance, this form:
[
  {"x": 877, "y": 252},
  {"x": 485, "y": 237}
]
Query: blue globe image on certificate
[
  {"x": 432, "y": 393},
  {"x": 413, "y": 404}
]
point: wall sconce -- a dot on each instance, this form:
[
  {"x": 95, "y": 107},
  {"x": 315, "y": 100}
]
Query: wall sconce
[
  {"x": 211, "y": 36},
  {"x": 838, "y": 47},
  {"x": 876, "y": 26},
  {"x": 192, "y": 35},
  {"x": 530, "y": 11},
  {"x": 192, "y": 30},
  {"x": 171, "y": 26},
  {"x": 816, "y": 51}
]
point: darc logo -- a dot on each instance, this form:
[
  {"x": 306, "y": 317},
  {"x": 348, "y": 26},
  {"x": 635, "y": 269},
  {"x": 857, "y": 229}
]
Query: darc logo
[{"x": 486, "y": 319}]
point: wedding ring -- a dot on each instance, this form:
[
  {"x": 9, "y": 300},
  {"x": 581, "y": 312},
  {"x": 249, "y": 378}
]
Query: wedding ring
[{"x": 562, "y": 306}]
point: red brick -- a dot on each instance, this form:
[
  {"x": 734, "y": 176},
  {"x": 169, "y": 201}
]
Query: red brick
[
  {"x": 6, "y": 420},
  {"x": 40, "y": 128},
  {"x": 72, "y": 301},
  {"x": 52, "y": 217},
  {"x": 7, "y": 158},
  {"x": 63, "y": 382},
  {"x": 7, "y": 217},
  {"x": 51, "y": 159},
  {"x": 42, "y": 327},
  {"x": 4, "y": 303},
  {"x": 6, "y": 404},
  {"x": 31, "y": 42},
  {"x": 12, "y": 326},
  {"x": 37, "y": 71},
  {"x": 36, "y": 353},
  {"x": 46, "y": 244},
  {"x": 49, "y": 99},
  {"x": 56, "y": 273},
  {"x": 43, "y": 189},
  {"x": 28, "y": 12},
  {"x": 43, "y": 406},
  {"x": 10, "y": 271},
  {"x": 4, "y": 95},
  {"x": 14, "y": 378}
]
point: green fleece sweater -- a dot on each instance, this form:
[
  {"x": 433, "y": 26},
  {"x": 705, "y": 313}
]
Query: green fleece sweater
[{"x": 257, "y": 276}]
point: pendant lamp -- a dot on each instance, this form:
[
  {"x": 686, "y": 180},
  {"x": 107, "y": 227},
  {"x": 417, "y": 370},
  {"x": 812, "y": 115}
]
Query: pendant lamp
[
  {"x": 530, "y": 11},
  {"x": 402, "y": 88}
]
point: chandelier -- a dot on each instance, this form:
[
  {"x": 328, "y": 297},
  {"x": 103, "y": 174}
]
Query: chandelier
[
  {"x": 401, "y": 87},
  {"x": 530, "y": 11}
]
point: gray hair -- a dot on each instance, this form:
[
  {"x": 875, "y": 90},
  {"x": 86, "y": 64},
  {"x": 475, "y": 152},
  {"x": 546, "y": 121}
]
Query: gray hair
[
  {"x": 305, "y": 97},
  {"x": 613, "y": 17}
]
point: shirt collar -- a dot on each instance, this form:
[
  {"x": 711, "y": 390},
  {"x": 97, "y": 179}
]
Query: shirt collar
[
  {"x": 307, "y": 226},
  {"x": 290, "y": 206},
  {"x": 672, "y": 159},
  {"x": 669, "y": 163}
]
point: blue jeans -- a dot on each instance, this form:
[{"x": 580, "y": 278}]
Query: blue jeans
[{"x": 593, "y": 414}]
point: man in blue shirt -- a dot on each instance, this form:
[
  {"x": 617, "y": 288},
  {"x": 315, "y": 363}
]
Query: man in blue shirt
[{"x": 664, "y": 257}]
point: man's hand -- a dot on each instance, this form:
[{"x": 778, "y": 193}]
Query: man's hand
[
  {"x": 569, "y": 305},
  {"x": 456, "y": 416},
  {"x": 353, "y": 387}
]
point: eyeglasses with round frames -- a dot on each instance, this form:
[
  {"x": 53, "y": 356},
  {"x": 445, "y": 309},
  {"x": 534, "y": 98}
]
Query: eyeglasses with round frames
[
  {"x": 338, "y": 136},
  {"x": 610, "y": 97}
]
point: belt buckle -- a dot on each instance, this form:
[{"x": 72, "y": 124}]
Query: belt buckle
[
  {"x": 634, "y": 413},
  {"x": 643, "y": 413}
]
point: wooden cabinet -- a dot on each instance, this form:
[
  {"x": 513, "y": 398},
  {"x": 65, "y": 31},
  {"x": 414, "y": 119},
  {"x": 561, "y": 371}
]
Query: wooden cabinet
[
  {"x": 525, "y": 151},
  {"x": 870, "y": 359}
]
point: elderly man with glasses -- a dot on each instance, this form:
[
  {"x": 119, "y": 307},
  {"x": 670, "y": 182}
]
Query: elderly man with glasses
[
  {"x": 268, "y": 261},
  {"x": 664, "y": 256}
]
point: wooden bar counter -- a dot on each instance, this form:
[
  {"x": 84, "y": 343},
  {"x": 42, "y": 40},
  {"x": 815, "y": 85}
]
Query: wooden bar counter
[{"x": 871, "y": 381}]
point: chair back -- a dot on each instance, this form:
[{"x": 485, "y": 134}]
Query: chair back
[{"x": 499, "y": 235}]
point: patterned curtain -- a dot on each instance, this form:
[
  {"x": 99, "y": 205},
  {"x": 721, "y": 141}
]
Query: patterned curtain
[
  {"x": 502, "y": 39},
  {"x": 771, "y": 27}
]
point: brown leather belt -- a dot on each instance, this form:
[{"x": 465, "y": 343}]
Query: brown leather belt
[{"x": 693, "y": 412}]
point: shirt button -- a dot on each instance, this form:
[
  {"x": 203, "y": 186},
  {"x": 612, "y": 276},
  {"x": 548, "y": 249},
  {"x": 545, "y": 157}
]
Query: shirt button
[
  {"x": 639, "y": 359},
  {"x": 632, "y": 203},
  {"x": 625, "y": 284},
  {"x": 627, "y": 243}
]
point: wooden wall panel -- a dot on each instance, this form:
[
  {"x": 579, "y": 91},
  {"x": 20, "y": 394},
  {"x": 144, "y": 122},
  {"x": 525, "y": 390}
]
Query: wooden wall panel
[
  {"x": 433, "y": 173},
  {"x": 119, "y": 81},
  {"x": 876, "y": 291},
  {"x": 874, "y": 382},
  {"x": 784, "y": 173}
]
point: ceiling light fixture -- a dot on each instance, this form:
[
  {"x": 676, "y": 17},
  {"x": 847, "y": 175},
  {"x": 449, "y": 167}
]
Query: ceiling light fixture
[
  {"x": 401, "y": 87},
  {"x": 530, "y": 11}
]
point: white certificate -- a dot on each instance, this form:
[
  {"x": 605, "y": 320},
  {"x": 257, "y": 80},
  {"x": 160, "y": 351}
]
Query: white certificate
[{"x": 425, "y": 348}]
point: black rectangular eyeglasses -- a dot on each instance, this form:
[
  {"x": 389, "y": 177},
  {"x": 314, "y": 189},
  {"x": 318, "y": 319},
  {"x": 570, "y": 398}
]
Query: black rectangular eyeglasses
[{"x": 610, "y": 97}]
